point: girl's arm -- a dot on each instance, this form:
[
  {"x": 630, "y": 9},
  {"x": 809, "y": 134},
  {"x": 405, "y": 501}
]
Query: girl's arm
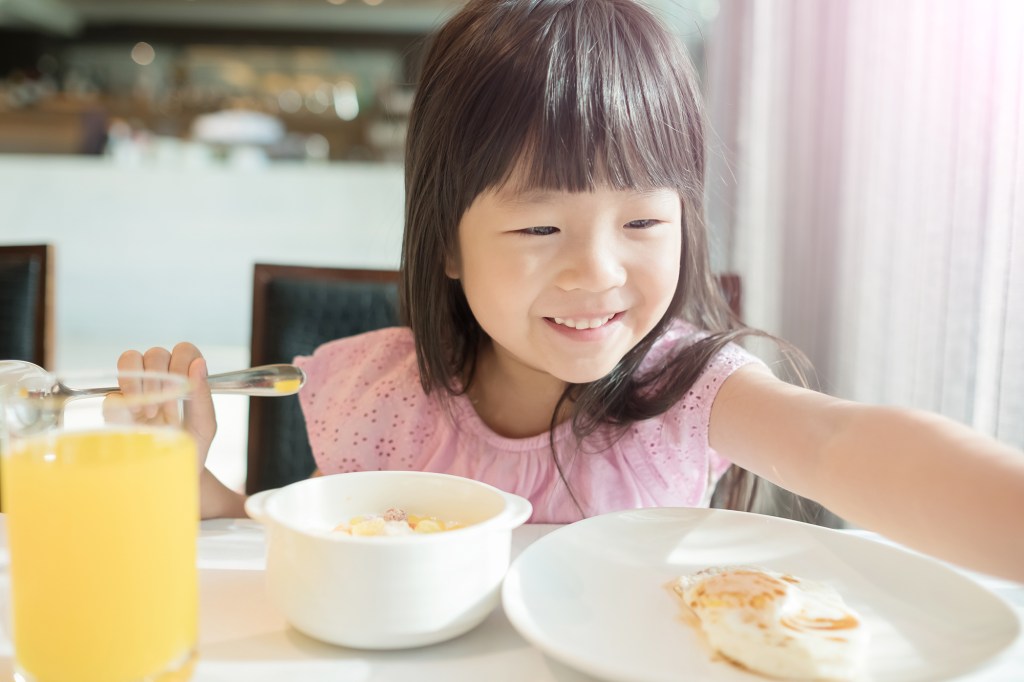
[
  {"x": 918, "y": 478},
  {"x": 215, "y": 498}
]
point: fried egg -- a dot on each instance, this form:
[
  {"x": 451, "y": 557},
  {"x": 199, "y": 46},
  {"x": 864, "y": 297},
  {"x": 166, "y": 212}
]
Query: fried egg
[{"x": 776, "y": 624}]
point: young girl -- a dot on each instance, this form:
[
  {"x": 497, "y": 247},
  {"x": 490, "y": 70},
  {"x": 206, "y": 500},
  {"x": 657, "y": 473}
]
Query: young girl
[{"x": 566, "y": 339}]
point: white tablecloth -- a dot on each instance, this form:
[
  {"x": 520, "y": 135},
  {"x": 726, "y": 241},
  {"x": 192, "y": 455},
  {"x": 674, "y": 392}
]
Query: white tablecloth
[{"x": 244, "y": 638}]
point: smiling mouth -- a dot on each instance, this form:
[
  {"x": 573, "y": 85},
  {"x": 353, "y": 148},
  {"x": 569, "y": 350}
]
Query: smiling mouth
[{"x": 582, "y": 322}]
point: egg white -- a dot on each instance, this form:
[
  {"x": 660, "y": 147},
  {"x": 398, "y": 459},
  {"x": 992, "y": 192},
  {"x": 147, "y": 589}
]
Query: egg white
[{"x": 776, "y": 624}]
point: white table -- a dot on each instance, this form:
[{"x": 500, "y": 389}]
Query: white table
[{"x": 244, "y": 638}]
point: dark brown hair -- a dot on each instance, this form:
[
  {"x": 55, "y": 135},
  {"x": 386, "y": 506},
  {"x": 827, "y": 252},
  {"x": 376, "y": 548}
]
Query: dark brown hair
[{"x": 569, "y": 94}]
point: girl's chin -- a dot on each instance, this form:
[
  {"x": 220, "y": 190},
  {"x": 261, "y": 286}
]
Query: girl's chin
[{"x": 584, "y": 375}]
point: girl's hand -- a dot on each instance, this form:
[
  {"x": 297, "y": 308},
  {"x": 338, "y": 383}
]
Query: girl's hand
[{"x": 185, "y": 359}]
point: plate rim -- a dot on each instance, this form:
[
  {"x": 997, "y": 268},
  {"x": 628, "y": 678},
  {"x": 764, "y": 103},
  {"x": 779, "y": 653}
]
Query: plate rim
[{"x": 518, "y": 613}]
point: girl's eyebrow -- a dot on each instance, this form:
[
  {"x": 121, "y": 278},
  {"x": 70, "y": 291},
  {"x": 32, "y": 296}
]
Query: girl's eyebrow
[
  {"x": 525, "y": 197},
  {"x": 512, "y": 197}
]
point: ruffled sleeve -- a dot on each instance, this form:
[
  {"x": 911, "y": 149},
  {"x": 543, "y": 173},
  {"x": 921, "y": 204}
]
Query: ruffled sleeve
[{"x": 677, "y": 458}]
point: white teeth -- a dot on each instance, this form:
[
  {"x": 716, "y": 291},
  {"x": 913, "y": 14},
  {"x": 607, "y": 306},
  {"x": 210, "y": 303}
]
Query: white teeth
[{"x": 592, "y": 323}]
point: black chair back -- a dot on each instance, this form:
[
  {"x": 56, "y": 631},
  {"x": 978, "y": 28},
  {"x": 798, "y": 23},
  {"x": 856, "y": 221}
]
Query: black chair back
[
  {"x": 26, "y": 308},
  {"x": 295, "y": 309}
]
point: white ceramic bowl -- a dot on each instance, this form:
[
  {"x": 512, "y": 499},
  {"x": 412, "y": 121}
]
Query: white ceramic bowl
[{"x": 386, "y": 592}]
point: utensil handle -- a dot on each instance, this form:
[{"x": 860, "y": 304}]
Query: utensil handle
[{"x": 265, "y": 380}]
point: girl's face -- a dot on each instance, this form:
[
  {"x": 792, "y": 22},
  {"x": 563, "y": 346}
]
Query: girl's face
[{"x": 565, "y": 284}]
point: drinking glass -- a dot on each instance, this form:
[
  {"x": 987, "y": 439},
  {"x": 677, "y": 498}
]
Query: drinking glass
[{"x": 101, "y": 503}]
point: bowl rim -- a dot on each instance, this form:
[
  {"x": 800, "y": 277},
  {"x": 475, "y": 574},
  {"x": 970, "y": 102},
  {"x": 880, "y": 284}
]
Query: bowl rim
[{"x": 514, "y": 506}]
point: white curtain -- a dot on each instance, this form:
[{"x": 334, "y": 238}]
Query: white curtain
[{"x": 867, "y": 181}]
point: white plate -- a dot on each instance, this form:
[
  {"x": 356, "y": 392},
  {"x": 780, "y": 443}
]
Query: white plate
[{"x": 593, "y": 595}]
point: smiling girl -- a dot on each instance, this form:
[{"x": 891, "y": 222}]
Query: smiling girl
[{"x": 566, "y": 337}]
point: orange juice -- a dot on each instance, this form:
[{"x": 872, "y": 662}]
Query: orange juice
[{"x": 102, "y": 533}]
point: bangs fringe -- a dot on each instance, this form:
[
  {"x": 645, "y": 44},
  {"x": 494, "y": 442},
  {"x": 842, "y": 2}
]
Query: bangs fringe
[{"x": 571, "y": 113}]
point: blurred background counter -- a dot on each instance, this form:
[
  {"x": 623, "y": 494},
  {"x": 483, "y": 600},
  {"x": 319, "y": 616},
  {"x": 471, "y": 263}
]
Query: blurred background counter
[{"x": 151, "y": 254}]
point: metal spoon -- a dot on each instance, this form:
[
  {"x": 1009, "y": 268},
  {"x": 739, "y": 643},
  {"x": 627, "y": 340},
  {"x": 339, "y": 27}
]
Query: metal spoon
[{"x": 265, "y": 380}]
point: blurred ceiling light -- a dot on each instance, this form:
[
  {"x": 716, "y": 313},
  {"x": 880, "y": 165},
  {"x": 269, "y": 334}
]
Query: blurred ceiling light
[
  {"x": 143, "y": 54},
  {"x": 336, "y": 2},
  {"x": 373, "y": 3},
  {"x": 317, "y": 147},
  {"x": 289, "y": 101},
  {"x": 346, "y": 104},
  {"x": 237, "y": 127},
  {"x": 318, "y": 100}
]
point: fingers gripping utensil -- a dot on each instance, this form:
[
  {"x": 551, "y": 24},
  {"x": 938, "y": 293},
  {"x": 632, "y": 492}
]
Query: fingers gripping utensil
[
  {"x": 265, "y": 380},
  {"x": 32, "y": 381}
]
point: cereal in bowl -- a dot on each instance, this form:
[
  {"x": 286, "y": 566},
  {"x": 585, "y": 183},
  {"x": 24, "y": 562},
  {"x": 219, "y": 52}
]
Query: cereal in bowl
[{"x": 394, "y": 522}]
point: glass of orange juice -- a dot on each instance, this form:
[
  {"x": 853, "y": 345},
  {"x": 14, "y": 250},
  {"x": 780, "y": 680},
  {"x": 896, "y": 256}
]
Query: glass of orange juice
[{"x": 101, "y": 502}]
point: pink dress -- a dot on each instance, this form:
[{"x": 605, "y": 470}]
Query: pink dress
[{"x": 365, "y": 410}]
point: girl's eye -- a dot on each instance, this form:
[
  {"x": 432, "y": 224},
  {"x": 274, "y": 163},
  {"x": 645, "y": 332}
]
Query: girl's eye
[
  {"x": 642, "y": 224},
  {"x": 540, "y": 230}
]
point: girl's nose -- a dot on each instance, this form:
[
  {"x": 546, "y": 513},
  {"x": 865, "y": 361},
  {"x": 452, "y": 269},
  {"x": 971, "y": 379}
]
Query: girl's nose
[{"x": 591, "y": 265}]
